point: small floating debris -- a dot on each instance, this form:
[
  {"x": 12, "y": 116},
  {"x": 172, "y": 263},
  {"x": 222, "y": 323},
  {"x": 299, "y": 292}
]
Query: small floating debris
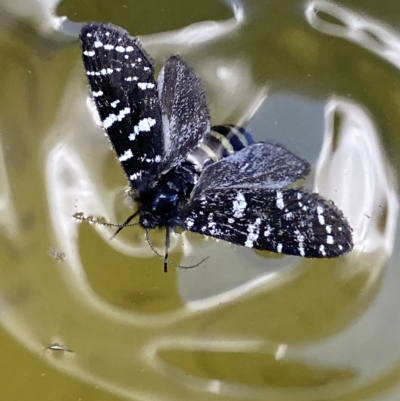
[
  {"x": 57, "y": 255},
  {"x": 59, "y": 347}
]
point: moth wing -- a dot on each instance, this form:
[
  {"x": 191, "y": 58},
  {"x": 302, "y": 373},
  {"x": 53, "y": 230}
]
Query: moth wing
[
  {"x": 289, "y": 221},
  {"x": 121, "y": 78},
  {"x": 260, "y": 165},
  {"x": 185, "y": 114}
]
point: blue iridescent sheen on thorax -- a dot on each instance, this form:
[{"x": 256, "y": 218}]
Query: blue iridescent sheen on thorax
[{"x": 159, "y": 205}]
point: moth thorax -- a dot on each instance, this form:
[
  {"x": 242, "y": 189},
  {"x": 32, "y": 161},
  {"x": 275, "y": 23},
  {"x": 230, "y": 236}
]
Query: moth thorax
[{"x": 160, "y": 204}]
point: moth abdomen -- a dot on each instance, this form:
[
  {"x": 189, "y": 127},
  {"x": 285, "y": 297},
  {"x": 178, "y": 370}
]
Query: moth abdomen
[{"x": 222, "y": 141}]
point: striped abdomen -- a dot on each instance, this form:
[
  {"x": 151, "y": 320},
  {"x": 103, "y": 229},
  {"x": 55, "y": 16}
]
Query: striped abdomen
[{"x": 222, "y": 141}]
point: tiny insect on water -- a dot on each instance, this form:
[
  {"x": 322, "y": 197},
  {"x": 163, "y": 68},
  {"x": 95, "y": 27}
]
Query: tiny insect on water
[{"x": 157, "y": 129}]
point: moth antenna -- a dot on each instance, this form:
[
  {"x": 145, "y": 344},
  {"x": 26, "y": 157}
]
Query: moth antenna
[
  {"x": 146, "y": 230},
  {"x": 125, "y": 224},
  {"x": 120, "y": 225},
  {"x": 103, "y": 223},
  {"x": 165, "y": 258},
  {"x": 197, "y": 264}
]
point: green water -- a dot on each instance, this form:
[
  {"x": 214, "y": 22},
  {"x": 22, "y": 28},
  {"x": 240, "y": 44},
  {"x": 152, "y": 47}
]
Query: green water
[{"x": 320, "y": 77}]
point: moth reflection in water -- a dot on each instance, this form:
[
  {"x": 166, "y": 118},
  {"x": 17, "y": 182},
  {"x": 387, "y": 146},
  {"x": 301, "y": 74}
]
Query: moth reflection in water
[{"x": 159, "y": 130}]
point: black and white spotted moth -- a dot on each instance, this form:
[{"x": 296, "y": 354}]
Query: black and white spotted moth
[{"x": 157, "y": 130}]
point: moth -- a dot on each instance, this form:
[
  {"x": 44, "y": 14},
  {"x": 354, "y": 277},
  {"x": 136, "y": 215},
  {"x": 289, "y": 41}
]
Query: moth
[{"x": 157, "y": 129}]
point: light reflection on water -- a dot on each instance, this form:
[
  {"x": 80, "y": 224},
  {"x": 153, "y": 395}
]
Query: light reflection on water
[
  {"x": 245, "y": 325},
  {"x": 351, "y": 157},
  {"x": 364, "y": 31}
]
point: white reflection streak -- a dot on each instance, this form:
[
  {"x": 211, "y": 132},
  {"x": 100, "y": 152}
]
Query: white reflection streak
[
  {"x": 187, "y": 39},
  {"x": 356, "y": 28},
  {"x": 155, "y": 347},
  {"x": 231, "y": 82},
  {"x": 183, "y": 343},
  {"x": 8, "y": 216},
  {"x": 67, "y": 186},
  {"x": 71, "y": 190},
  {"x": 357, "y": 177},
  {"x": 248, "y": 288},
  {"x": 40, "y": 11}
]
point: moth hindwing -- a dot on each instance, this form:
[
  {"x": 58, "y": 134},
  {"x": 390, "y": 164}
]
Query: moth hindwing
[{"x": 216, "y": 182}]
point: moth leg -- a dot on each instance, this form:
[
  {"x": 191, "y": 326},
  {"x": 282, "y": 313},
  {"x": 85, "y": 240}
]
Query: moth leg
[
  {"x": 165, "y": 257},
  {"x": 167, "y": 243},
  {"x": 127, "y": 221}
]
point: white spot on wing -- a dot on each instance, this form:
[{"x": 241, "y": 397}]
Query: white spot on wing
[
  {"x": 300, "y": 239},
  {"x": 112, "y": 118},
  {"x": 288, "y": 216},
  {"x": 123, "y": 113},
  {"x": 107, "y": 71},
  {"x": 133, "y": 136},
  {"x": 144, "y": 126},
  {"x": 239, "y": 205},
  {"x": 253, "y": 233},
  {"x": 89, "y": 53},
  {"x": 126, "y": 156},
  {"x": 109, "y": 121},
  {"x": 135, "y": 176},
  {"x": 145, "y": 85},
  {"x": 279, "y": 200},
  {"x": 321, "y": 218},
  {"x": 93, "y": 73}
]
